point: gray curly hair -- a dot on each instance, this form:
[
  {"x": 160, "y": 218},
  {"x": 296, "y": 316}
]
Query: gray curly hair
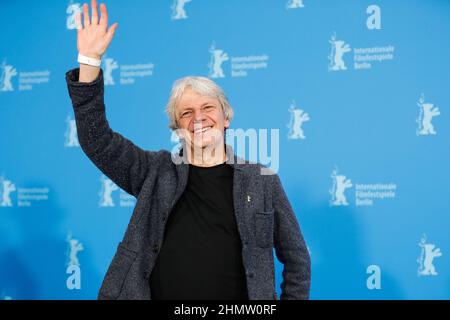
[{"x": 201, "y": 85}]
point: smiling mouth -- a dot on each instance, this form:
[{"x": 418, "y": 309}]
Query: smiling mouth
[{"x": 201, "y": 130}]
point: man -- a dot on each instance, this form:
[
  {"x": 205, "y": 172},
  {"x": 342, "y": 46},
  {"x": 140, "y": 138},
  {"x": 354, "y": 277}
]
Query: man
[{"x": 206, "y": 222}]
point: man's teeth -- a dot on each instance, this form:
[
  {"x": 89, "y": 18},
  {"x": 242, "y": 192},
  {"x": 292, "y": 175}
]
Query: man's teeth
[{"x": 202, "y": 129}]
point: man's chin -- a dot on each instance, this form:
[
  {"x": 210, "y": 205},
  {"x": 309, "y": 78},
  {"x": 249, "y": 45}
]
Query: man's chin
[
  {"x": 207, "y": 140},
  {"x": 203, "y": 144}
]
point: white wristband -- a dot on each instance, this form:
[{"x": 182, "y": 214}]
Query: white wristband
[{"x": 89, "y": 61}]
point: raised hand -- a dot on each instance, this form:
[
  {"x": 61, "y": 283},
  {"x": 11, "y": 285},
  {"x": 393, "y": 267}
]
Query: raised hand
[{"x": 93, "y": 38}]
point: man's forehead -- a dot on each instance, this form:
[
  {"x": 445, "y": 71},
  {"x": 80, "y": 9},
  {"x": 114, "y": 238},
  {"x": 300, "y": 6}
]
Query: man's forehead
[{"x": 192, "y": 99}]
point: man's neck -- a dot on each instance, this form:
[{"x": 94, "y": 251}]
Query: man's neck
[{"x": 207, "y": 156}]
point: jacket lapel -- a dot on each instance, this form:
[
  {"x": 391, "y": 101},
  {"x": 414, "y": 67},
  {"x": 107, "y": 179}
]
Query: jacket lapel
[{"x": 240, "y": 186}]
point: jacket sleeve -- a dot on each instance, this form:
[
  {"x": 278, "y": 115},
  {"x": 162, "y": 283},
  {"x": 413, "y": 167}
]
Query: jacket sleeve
[
  {"x": 117, "y": 157},
  {"x": 290, "y": 247}
]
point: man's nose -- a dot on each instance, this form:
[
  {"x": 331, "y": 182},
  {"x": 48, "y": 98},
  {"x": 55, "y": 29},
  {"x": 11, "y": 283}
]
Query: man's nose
[{"x": 198, "y": 115}]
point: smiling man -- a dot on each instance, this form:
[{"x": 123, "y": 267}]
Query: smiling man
[
  {"x": 200, "y": 113},
  {"x": 206, "y": 221}
]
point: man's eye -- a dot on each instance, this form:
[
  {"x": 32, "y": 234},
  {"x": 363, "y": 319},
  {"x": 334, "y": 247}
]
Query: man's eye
[
  {"x": 209, "y": 107},
  {"x": 185, "y": 114}
]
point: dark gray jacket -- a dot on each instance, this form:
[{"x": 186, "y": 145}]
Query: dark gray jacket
[{"x": 264, "y": 215}]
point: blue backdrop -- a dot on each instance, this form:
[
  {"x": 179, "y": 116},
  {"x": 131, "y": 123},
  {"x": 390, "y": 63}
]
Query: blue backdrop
[{"x": 357, "y": 89}]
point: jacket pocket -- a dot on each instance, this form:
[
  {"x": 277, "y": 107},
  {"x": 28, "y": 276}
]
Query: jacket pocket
[
  {"x": 264, "y": 228},
  {"x": 117, "y": 272}
]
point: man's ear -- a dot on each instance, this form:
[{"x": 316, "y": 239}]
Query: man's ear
[
  {"x": 227, "y": 123},
  {"x": 179, "y": 132}
]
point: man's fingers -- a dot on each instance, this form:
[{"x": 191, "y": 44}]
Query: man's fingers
[
  {"x": 111, "y": 31},
  {"x": 104, "y": 16},
  {"x": 94, "y": 12},
  {"x": 87, "y": 21},
  {"x": 78, "y": 24}
]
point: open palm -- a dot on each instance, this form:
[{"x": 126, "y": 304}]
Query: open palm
[{"x": 93, "y": 37}]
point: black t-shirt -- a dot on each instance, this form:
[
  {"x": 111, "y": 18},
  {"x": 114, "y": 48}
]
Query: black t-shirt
[{"x": 201, "y": 254}]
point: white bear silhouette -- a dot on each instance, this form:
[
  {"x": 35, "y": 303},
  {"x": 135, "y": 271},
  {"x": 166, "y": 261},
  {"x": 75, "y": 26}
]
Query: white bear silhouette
[
  {"x": 430, "y": 254},
  {"x": 110, "y": 65},
  {"x": 107, "y": 188},
  {"x": 178, "y": 11},
  {"x": 7, "y": 188},
  {"x": 294, "y": 4},
  {"x": 342, "y": 183},
  {"x": 5, "y": 79},
  {"x": 298, "y": 117},
  {"x": 218, "y": 57},
  {"x": 429, "y": 111}
]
